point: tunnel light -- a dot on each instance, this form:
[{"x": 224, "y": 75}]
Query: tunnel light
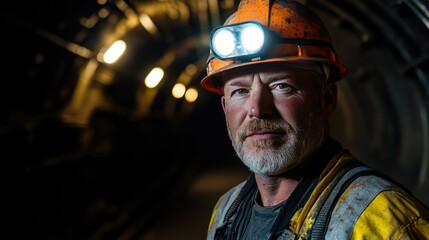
[
  {"x": 154, "y": 77},
  {"x": 191, "y": 95},
  {"x": 114, "y": 52},
  {"x": 178, "y": 90},
  {"x": 148, "y": 24}
]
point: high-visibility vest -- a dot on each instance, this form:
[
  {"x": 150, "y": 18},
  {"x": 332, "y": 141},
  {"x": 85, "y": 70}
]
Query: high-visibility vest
[{"x": 347, "y": 203}]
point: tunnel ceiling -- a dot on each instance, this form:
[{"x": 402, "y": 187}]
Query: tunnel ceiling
[
  {"x": 74, "y": 124},
  {"x": 53, "y": 45}
]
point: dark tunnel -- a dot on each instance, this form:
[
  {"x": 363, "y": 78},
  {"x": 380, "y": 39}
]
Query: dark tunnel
[{"x": 92, "y": 152}]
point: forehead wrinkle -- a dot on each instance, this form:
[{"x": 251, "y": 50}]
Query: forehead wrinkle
[{"x": 279, "y": 76}]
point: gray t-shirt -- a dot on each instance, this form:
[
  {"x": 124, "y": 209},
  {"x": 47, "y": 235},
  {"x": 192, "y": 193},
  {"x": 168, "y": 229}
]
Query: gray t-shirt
[{"x": 261, "y": 220}]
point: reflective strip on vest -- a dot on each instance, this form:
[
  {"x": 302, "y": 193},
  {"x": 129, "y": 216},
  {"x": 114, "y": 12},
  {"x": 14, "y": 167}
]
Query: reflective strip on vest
[{"x": 352, "y": 203}]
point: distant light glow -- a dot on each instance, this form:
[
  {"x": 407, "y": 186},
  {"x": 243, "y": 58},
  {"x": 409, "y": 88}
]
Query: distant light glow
[
  {"x": 114, "y": 52},
  {"x": 191, "y": 69},
  {"x": 154, "y": 77},
  {"x": 191, "y": 95},
  {"x": 148, "y": 24},
  {"x": 103, "y": 13},
  {"x": 178, "y": 90}
]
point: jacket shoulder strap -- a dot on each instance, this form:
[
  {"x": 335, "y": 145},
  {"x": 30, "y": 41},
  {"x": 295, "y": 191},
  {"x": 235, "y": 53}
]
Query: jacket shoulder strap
[{"x": 322, "y": 219}]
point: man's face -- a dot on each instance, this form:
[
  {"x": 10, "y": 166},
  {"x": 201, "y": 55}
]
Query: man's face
[{"x": 275, "y": 116}]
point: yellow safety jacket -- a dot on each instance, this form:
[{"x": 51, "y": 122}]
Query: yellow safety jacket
[{"x": 348, "y": 200}]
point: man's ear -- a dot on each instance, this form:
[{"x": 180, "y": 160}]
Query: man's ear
[
  {"x": 222, "y": 99},
  {"x": 330, "y": 98}
]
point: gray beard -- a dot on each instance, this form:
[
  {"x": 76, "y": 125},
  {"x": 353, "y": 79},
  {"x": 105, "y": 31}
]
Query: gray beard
[{"x": 275, "y": 156}]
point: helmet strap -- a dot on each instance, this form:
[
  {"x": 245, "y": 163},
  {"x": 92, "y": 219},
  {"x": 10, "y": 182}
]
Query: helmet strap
[{"x": 326, "y": 70}]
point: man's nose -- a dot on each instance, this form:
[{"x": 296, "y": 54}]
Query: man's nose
[{"x": 260, "y": 102}]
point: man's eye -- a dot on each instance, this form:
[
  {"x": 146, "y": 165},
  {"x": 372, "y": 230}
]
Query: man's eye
[
  {"x": 239, "y": 91},
  {"x": 284, "y": 87}
]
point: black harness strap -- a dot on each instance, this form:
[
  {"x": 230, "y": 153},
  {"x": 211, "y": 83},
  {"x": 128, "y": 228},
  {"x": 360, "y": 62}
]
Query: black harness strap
[
  {"x": 322, "y": 219},
  {"x": 247, "y": 188}
]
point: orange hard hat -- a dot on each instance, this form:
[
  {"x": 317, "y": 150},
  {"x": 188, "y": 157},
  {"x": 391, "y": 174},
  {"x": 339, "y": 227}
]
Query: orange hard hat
[{"x": 305, "y": 39}]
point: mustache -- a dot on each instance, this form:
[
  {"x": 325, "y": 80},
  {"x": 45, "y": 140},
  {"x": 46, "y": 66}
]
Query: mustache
[{"x": 262, "y": 125}]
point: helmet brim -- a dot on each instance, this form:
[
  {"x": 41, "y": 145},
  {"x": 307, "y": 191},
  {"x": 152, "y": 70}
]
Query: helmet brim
[{"x": 214, "y": 83}]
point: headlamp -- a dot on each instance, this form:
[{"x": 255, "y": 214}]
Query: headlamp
[
  {"x": 242, "y": 40},
  {"x": 250, "y": 41}
]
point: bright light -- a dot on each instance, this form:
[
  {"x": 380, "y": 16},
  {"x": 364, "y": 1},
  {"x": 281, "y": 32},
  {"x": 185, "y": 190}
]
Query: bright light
[
  {"x": 191, "y": 95},
  {"x": 252, "y": 38},
  {"x": 224, "y": 42},
  {"x": 114, "y": 52},
  {"x": 154, "y": 77},
  {"x": 178, "y": 90},
  {"x": 148, "y": 24}
]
